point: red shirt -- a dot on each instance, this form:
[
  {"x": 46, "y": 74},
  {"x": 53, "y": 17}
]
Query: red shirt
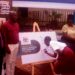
[{"x": 10, "y": 32}]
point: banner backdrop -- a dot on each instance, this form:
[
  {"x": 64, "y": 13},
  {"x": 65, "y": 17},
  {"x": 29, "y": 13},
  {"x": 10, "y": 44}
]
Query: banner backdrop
[
  {"x": 53, "y": 4},
  {"x": 32, "y": 46},
  {"x": 58, "y": 1}
]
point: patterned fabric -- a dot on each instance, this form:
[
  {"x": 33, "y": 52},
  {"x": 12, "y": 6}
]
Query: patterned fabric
[{"x": 69, "y": 31}]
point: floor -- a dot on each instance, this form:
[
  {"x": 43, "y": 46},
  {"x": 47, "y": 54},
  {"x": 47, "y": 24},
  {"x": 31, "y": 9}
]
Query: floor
[
  {"x": 43, "y": 69},
  {"x": 40, "y": 69}
]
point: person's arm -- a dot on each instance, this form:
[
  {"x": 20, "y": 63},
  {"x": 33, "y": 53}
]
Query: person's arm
[{"x": 65, "y": 32}]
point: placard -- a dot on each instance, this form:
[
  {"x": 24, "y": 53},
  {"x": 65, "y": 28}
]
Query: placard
[{"x": 32, "y": 46}]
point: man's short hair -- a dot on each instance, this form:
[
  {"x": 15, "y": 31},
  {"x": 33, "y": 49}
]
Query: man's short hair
[
  {"x": 12, "y": 11},
  {"x": 47, "y": 38}
]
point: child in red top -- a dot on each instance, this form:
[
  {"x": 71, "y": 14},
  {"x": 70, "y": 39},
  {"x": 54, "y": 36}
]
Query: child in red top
[{"x": 66, "y": 59}]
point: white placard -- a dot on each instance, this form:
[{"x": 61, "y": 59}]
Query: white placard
[{"x": 37, "y": 55}]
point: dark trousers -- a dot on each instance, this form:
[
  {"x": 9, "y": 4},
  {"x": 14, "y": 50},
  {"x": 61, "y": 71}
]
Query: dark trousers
[
  {"x": 1, "y": 61},
  {"x": 2, "y": 54}
]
